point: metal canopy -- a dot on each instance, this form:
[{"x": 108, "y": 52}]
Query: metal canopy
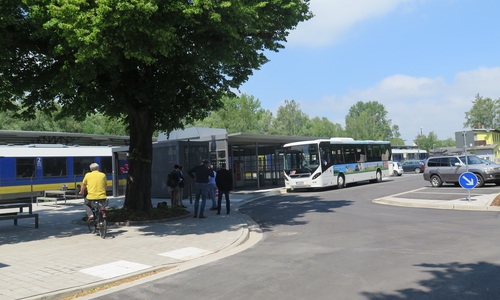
[
  {"x": 18, "y": 137},
  {"x": 245, "y": 139}
]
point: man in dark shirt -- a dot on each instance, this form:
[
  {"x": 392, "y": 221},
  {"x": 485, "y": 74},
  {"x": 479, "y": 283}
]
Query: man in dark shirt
[
  {"x": 224, "y": 181},
  {"x": 200, "y": 174}
]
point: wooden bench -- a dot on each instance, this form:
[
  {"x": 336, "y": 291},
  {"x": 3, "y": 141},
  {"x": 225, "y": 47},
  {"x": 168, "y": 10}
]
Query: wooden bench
[
  {"x": 18, "y": 214},
  {"x": 55, "y": 199},
  {"x": 55, "y": 195}
]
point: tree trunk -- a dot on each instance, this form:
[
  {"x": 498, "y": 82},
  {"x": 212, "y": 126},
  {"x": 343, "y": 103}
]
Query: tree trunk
[{"x": 138, "y": 191}]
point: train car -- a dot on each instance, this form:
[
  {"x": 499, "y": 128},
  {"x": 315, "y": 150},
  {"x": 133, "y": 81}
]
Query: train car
[
  {"x": 28, "y": 170},
  {"x": 400, "y": 155}
]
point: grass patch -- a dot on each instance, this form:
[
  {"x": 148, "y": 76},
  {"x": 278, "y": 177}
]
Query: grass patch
[{"x": 116, "y": 283}]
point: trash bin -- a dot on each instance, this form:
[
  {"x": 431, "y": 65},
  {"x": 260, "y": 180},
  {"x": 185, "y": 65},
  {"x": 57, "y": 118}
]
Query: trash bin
[{"x": 262, "y": 178}]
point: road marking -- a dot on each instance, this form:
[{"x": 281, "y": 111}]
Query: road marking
[
  {"x": 114, "y": 269},
  {"x": 186, "y": 253}
]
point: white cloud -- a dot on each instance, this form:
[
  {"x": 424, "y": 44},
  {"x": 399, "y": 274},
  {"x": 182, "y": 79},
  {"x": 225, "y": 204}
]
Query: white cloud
[
  {"x": 333, "y": 19},
  {"x": 415, "y": 102}
]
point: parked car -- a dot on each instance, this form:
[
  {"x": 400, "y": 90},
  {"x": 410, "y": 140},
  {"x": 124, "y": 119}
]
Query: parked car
[
  {"x": 487, "y": 161},
  {"x": 447, "y": 169},
  {"x": 415, "y": 166},
  {"x": 397, "y": 169}
]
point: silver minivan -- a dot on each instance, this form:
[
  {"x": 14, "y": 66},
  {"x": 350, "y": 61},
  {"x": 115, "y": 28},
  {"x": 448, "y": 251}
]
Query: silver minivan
[{"x": 447, "y": 169}]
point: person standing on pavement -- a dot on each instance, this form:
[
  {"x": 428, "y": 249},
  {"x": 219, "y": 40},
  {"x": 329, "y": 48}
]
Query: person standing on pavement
[
  {"x": 200, "y": 174},
  {"x": 173, "y": 182},
  {"x": 181, "y": 187},
  {"x": 211, "y": 189},
  {"x": 96, "y": 183},
  {"x": 224, "y": 183}
]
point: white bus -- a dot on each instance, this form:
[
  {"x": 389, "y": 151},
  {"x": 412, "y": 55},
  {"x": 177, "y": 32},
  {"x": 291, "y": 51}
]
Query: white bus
[{"x": 335, "y": 162}]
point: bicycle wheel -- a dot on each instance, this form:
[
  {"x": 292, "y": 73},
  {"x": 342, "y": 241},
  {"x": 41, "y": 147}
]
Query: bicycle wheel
[
  {"x": 92, "y": 226},
  {"x": 103, "y": 226}
]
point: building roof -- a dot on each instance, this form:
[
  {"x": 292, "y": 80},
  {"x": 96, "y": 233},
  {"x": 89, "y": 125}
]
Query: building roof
[
  {"x": 235, "y": 139},
  {"x": 242, "y": 138},
  {"x": 19, "y": 137}
]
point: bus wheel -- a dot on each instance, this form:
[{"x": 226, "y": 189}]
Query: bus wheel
[
  {"x": 378, "y": 177},
  {"x": 340, "y": 181}
]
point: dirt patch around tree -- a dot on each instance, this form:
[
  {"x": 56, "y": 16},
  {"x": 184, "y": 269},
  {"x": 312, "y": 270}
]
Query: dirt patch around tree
[{"x": 496, "y": 201}]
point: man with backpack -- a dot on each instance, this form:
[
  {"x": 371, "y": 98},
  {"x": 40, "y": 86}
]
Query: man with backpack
[{"x": 173, "y": 180}]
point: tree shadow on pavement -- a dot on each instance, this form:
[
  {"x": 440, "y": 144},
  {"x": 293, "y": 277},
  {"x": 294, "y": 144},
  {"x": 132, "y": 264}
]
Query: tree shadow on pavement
[
  {"x": 289, "y": 210},
  {"x": 54, "y": 222},
  {"x": 450, "y": 281},
  {"x": 274, "y": 210}
]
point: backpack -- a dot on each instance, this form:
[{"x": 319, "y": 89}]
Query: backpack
[{"x": 170, "y": 179}]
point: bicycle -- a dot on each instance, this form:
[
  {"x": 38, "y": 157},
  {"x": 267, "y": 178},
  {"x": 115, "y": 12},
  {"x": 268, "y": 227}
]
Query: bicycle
[{"x": 99, "y": 223}]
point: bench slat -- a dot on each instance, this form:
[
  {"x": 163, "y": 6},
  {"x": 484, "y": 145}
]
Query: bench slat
[
  {"x": 55, "y": 199},
  {"x": 15, "y": 217},
  {"x": 8, "y": 214}
]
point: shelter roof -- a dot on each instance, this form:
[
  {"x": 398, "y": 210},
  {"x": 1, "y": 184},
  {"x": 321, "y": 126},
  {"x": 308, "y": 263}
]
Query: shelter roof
[
  {"x": 18, "y": 137},
  {"x": 242, "y": 139}
]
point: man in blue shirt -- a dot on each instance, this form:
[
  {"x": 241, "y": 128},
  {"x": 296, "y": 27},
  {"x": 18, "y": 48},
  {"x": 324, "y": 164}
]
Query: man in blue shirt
[{"x": 201, "y": 174}]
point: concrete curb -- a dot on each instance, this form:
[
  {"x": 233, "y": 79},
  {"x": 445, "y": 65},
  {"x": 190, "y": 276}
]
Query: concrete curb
[{"x": 454, "y": 204}]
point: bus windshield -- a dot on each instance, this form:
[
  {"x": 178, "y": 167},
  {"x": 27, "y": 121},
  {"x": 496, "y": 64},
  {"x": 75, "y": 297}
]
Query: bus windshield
[{"x": 301, "y": 158}]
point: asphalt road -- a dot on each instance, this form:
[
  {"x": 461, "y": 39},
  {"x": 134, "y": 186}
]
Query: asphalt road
[{"x": 337, "y": 244}]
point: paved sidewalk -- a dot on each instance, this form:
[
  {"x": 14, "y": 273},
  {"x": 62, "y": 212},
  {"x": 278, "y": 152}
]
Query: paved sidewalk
[{"x": 61, "y": 257}]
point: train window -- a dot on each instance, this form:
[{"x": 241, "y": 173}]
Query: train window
[
  {"x": 25, "y": 167},
  {"x": 55, "y": 166},
  {"x": 106, "y": 165},
  {"x": 81, "y": 165}
]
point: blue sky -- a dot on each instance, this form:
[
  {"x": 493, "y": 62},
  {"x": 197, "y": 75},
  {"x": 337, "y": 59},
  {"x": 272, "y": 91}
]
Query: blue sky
[{"x": 424, "y": 60}]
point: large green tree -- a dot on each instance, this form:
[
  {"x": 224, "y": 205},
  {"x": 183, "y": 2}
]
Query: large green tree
[
  {"x": 290, "y": 119},
  {"x": 93, "y": 124},
  {"x": 396, "y": 139},
  {"x": 484, "y": 113},
  {"x": 322, "y": 127},
  {"x": 368, "y": 121},
  {"x": 158, "y": 64},
  {"x": 239, "y": 114},
  {"x": 428, "y": 142}
]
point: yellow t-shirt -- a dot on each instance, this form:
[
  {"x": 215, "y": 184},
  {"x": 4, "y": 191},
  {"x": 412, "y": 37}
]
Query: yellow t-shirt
[{"x": 96, "y": 183}]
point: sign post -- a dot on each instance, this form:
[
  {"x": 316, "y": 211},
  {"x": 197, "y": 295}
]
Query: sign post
[{"x": 468, "y": 180}]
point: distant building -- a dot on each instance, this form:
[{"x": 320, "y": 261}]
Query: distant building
[{"x": 485, "y": 145}]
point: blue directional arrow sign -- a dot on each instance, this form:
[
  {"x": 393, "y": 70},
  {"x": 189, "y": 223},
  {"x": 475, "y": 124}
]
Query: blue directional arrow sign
[{"x": 468, "y": 180}]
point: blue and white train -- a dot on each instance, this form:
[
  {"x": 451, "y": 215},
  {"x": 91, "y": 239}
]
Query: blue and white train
[{"x": 28, "y": 170}]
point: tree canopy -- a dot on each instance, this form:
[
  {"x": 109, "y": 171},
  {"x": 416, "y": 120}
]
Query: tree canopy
[
  {"x": 368, "y": 121},
  {"x": 290, "y": 119},
  {"x": 238, "y": 114},
  {"x": 155, "y": 64},
  {"x": 484, "y": 113},
  {"x": 431, "y": 141}
]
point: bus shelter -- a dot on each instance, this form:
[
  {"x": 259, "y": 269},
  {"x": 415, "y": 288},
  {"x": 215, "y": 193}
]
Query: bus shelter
[{"x": 255, "y": 160}]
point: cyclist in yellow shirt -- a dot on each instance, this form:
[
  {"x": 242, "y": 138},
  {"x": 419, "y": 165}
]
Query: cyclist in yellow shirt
[{"x": 95, "y": 182}]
